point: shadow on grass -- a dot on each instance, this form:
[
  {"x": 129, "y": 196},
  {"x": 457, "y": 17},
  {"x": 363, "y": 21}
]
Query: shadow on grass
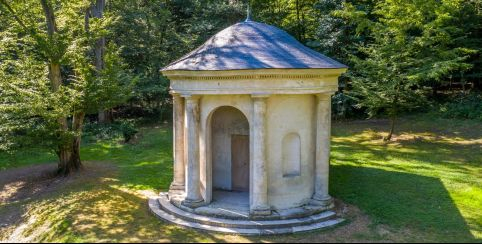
[{"x": 401, "y": 200}]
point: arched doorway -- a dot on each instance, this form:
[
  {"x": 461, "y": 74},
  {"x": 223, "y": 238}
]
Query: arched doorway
[{"x": 230, "y": 156}]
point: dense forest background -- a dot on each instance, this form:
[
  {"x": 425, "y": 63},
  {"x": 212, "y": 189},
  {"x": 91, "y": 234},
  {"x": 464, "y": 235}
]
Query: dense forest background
[
  {"x": 441, "y": 39},
  {"x": 92, "y": 66},
  {"x": 426, "y": 52}
]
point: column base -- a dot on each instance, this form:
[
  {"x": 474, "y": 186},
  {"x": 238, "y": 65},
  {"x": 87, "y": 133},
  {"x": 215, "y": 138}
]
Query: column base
[
  {"x": 193, "y": 203},
  {"x": 322, "y": 202},
  {"x": 261, "y": 211},
  {"x": 177, "y": 187}
]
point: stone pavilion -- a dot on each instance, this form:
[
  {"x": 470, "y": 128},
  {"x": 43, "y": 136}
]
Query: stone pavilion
[{"x": 252, "y": 119}]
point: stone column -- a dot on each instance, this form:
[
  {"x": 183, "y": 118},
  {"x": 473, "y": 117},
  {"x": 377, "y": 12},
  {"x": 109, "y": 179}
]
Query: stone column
[
  {"x": 260, "y": 206},
  {"x": 178, "y": 184},
  {"x": 322, "y": 167},
  {"x": 193, "y": 197}
]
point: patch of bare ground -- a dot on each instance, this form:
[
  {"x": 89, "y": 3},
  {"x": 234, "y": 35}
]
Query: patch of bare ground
[
  {"x": 358, "y": 228},
  {"x": 22, "y": 185}
]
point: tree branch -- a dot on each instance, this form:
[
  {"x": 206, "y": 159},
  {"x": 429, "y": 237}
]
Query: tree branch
[
  {"x": 49, "y": 17},
  {"x": 15, "y": 16}
]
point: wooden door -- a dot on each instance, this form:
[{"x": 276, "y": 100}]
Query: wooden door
[{"x": 240, "y": 162}]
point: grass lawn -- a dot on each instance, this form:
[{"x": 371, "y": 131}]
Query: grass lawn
[{"x": 425, "y": 186}]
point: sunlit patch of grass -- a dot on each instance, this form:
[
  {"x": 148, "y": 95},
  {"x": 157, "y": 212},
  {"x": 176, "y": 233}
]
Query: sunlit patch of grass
[{"x": 100, "y": 214}]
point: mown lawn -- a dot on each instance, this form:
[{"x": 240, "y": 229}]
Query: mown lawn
[{"x": 426, "y": 185}]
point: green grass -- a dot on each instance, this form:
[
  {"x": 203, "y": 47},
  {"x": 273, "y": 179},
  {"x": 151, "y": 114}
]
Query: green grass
[
  {"x": 424, "y": 186},
  {"x": 143, "y": 165},
  {"x": 25, "y": 158},
  {"x": 429, "y": 179}
]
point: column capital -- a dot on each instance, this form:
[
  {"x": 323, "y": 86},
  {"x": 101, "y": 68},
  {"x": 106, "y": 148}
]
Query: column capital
[
  {"x": 190, "y": 97},
  {"x": 260, "y": 95},
  {"x": 324, "y": 96}
]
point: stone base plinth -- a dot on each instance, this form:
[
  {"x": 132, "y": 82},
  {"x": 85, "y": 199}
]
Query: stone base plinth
[{"x": 278, "y": 222}]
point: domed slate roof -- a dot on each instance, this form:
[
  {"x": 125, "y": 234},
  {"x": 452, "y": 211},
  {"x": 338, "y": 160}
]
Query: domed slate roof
[{"x": 252, "y": 45}]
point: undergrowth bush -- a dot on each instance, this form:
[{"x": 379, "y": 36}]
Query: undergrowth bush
[
  {"x": 125, "y": 128},
  {"x": 344, "y": 107},
  {"x": 463, "y": 107}
]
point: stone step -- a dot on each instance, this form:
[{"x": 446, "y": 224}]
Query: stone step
[
  {"x": 166, "y": 205},
  {"x": 226, "y": 210},
  {"x": 253, "y": 228}
]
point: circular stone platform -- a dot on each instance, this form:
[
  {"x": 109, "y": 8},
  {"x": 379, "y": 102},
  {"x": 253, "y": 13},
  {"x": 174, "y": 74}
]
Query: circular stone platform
[{"x": 222, "y": 218}]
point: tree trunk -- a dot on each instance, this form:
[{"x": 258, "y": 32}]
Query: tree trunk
[
  {"x": 97, "y": 11},
  {"x": 298, "y": 29},
  {"x": 392, "y": 128},
  {"x": 67, "y": 164},
  {"x": 105, "y": 116},
  {"x": 77, "y": 124}
]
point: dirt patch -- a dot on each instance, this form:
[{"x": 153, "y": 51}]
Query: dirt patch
[
  {"x": 22, "y": 185},
  {"x": 29, "y": 182},
  {"x": 358, "y": 227}
]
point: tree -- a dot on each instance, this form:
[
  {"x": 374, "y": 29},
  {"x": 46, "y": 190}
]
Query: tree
[
  {"x": 151, "y": 34},
  {"x": 470, "y": 19},
  {"x": 96, "y": 10},
  {"x": 381, "y": 82},
  {"x": 297, "y": 17},
  {"x": 47, "y": 77},
  {"x": 413, "y": 43}
]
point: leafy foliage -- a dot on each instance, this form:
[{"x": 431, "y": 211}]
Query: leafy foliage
[
  {"x": 125, "y": 128},
  {"x": 37, "y": 105},
  {"x": 396, "y": 50},
  {"x": 412, "y": 43},
  {"x": 463, "y": 107},
  {"x": 344, "y": 106},
  {"x": 151, "y": 34}
]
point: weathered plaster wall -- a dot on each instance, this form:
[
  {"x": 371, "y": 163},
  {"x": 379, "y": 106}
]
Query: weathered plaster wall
[{"x": 290, "y": 114}]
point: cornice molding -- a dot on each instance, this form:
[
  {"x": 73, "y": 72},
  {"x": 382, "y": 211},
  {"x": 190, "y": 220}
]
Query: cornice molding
[
  {"x": 265, "y": 74},
  {"x": 253, "y": 77}
]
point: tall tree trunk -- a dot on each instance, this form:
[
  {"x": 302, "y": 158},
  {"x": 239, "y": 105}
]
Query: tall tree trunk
[
  {"x": 67, "y": 163},
  {"x": 97, "y": 11}
]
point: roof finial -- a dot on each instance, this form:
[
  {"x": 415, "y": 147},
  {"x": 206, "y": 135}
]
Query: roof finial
[{"x": 248, "y": 14}]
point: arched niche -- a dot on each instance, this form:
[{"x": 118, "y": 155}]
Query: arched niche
[{"x": 291, "y": 155}]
